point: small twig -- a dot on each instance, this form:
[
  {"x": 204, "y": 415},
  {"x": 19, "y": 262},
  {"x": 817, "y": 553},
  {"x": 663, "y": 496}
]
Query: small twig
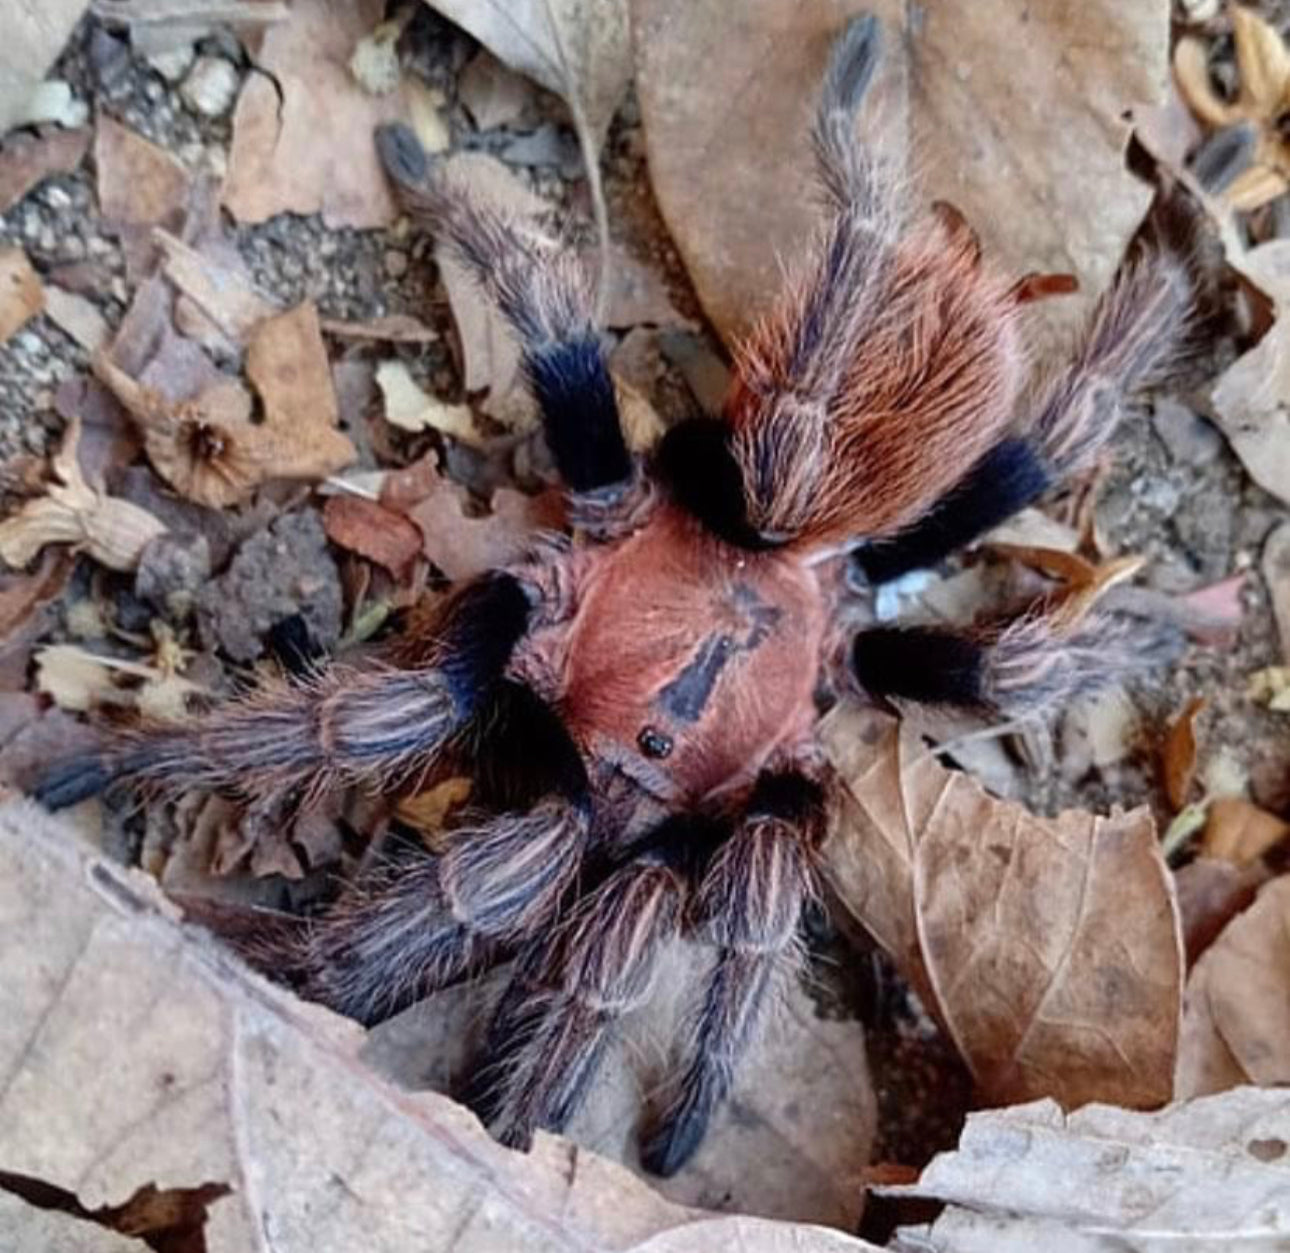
[{"x": 590, "y": 159}]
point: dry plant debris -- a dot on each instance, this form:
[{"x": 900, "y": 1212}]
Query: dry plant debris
[{"x": 34, "y": 36}]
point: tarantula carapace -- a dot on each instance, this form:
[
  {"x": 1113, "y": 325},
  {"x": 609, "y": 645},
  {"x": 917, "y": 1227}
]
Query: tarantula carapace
[{"x": 640, "y": 705}]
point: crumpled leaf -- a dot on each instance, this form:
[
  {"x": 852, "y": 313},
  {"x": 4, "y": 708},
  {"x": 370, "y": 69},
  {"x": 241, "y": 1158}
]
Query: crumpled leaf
[
  {"x": 210, "y": 450},
  {"x": 35, "y": 34},
  {"x": 1050, "y": 948},
  {"x": 302, "y": 129},
  {"x": 1178, "y": 754},
  {"x": 114, "y": 532},
  {"x": 1249, "y": 397},
  {"x": 21, "y": 293},
  {"x": 109, "y": 1002},
  {"x": 367, "y": 528},
  {"x": 575, "y": 48},
  {"x": 1236, "y": 1015},
  {"x": 410, "y": 408},
  {"x": 1195, "y": 1175},
  {"x": 27, "y": 160},
  {"x": 726, "y": 98}
]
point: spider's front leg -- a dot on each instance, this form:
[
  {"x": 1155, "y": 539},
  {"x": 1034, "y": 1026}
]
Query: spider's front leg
[
  {"x": 747, "y": 909},
  {"x": 349, "y": 725},
  {"x": 545, "y": 294}
]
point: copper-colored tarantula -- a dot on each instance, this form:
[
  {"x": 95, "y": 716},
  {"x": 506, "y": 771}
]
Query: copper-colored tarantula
[{"x": 657, "y": 687}]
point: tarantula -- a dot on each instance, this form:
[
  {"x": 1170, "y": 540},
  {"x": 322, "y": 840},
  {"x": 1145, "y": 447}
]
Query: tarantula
[{"x": 640, "y": 707}]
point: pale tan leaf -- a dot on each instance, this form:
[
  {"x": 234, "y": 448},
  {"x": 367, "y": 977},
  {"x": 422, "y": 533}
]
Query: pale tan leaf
[
  {"x": 1029, "y": 147},
  {"x": 1262, "y": 61},
  {"x": 1210, "y": 1174},
  {"x": 302, "y": 129},
  {"x": 1049, "y": 947},
  {"x": 410, "y": 408},
  {"x": 139, "y": 183},
  {"x": 21, "y": 293},
  {"x": 73, "y": 678},
  {"x": 1236, "y": 1022},
  {"x": 575, "y": 48},
  {"x": 223, "y": 292},
  {"x": 27, "y": 160},
  {"x": 1241, "y": 832},
  {"x": 35, "y": 33},
  {"x": 109, "y": 1002},
  {"x": 77, "y": 317},
  {"x": 114, "y": 532},
  {"x": 1250, "y": 397}
]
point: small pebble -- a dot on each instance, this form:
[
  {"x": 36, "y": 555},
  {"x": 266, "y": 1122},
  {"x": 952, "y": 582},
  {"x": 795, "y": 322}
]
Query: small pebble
[
  {"x": 396, "y": 263},
  {"x": 174, "y": 63},
  {"x": 210, "y": 87}
]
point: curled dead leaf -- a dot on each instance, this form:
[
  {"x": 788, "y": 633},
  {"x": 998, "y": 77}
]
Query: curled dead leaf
[
  {"x": 114, "y": 532},
  {"x": 1178, "y": 754},
  {"x": 1050, "y": 948},
  {"x": 367, "y": 528},
  {"x": 209, "y": 449}
]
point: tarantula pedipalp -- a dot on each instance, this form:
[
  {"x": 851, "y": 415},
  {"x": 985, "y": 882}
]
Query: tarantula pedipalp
[{"x": 657, "y": 687}]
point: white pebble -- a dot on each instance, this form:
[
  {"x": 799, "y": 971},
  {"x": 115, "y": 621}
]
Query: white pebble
[{"x": 210, "y": 87}]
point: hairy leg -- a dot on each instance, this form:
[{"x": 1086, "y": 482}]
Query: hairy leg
[
  {"x": 292, "y": 741},
  {"x": 747, "y": 909},
  {"x": 1009, "y": 667},
  {"x": 1133, "y": 338},
  {"x": 546, "y": 296}
]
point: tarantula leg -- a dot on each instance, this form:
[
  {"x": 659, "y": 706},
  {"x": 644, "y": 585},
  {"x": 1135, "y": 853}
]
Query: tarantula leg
[
  {"x": 545, "y": 294},
  {"x": 1133, "y": 338},
  {"x": 1012, "y": 667},
  {"x": 555, "y": 1021},
  {"x": 406, "y": 928},
  {"x": 344, "y": 726},
  {"x": 747, "y": 907}
]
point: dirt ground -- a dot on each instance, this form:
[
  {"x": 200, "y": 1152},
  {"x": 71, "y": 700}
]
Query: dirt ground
[{"x": 1174, "y": 493}]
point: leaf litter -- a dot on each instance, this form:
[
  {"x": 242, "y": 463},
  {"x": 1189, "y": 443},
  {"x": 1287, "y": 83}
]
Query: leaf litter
[{"x": 1050, "y": 949}]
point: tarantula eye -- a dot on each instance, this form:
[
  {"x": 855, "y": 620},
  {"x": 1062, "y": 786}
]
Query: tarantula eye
[{"x": 654, "y": 743}]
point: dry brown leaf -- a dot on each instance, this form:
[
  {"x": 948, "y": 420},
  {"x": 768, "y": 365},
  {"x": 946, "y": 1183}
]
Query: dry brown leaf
[
  {"x": 220, "y": 288},
  {"x": 1236, "y": 1018},
  {"x": 27, "y": 160},
  {"x": 1239, "y": 831},
  {"x": 372, "y": 531},
  {"x": 1199, "y": 1176},
  {"x": 21, "y": 293},
  {"x": 575, "y": 48},
  {"x": 114, "y": 532},
  {"x": 460, "y": 545},
  {"x": 77, "y": 317},
  {"x": 1049, "y": 947},
  {"x": 1210, "y": 894},
  {"x": 302, "y": 130},
  {"x": 410, "y": 408},
  {"x": 139, "y": 183},
  {"x": 209, "y": 449},
  {"x": 1249, "y": 397},
  {"x": 109, "y": 1001},
  {"x": 35, "y": 33},
  {"x": 1030, "y": 148},
  {"x": 1178, "y": 754},
  {"x": 395, "y": 328}
]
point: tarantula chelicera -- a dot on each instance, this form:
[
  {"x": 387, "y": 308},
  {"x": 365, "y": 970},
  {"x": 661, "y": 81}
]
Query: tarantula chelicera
[{"x": 640, "y": 707}]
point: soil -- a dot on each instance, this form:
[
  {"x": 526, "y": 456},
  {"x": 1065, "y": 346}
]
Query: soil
[{"x": 1175, "y": 492}]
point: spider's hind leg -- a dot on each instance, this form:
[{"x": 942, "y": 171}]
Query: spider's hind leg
[
  {"x": 545, "y": 294},
  {"x": 747, "y": 910}
]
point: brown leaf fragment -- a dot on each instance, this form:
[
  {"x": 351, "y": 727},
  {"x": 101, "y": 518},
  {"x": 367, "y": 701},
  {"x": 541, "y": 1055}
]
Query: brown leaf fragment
[
  {"x": 220, "y": 288},
  {"x": 1178, "y": 754},
  {"x": 1206, "y": 1175},
  {"x": 110, "y": 1001},
  {"x": 139, "y": 183},
  {"x": 1239, "y": 831},
  {"x": 395, "y": 328},
  {"x": 1049, "y": 947},
  {"x": 1236, "y": 1017},
  {"x": 302, "y": 129},
  {"x": 77, "y": 317},
  {"x": 27, "y": 160},
  {"x": 208, "y": 447},
  {"x": 579, "y": 49},
  {"x": 1210, "y": 894},
  {"x": 365, "y": 527},
  {"x": 114, "y": 532},
  {"x": 21, "y": 293}
]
